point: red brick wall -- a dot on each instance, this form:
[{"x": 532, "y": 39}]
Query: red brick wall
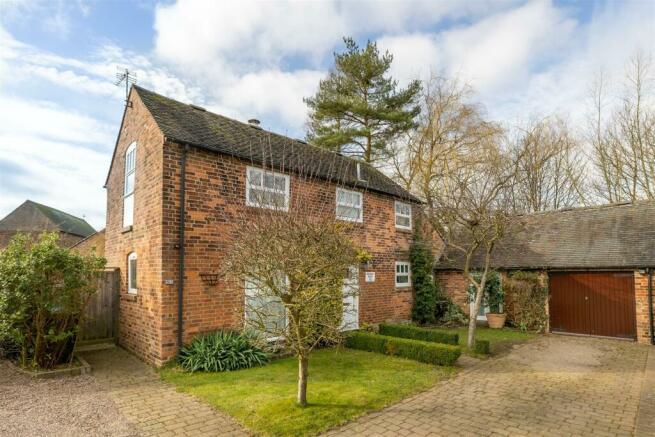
[
  {"x": 140, "y": 315},
  {"x": 215, "y": 203},
  {"x": 215, "y": 198},
  {"x": 641, "y": 301},
  {"x": 454, "y": 285},
  {"x": 94, "y": 243}
]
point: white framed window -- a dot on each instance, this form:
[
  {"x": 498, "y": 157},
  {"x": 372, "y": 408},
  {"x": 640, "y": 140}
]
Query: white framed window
[
  {"x": 350, "y": 205},
  {"x": 267, "y": 189},
  {"x": 131, "y": 273},
  {"x": 403, "y": 274},
  {"x": 264, "y": 311},
  {"x": 128, "y": 189},
  {"x": 403, "y": 215}
]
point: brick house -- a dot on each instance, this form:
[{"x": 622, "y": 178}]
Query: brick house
[
  {"x": 179, "y": 180},
  {"x": 34, "y": 218},
  {"x": 598, "y": 261}
]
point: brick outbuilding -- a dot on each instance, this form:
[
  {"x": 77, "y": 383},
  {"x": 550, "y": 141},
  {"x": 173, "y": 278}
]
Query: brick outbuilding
[
  {"x": 598, "y": 262},
  {"x": 181, "y": 178}
]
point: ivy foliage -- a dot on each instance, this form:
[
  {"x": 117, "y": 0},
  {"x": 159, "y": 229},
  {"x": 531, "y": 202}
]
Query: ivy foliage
[
  {"x": 426, "y": 292},
  {"x": 44, "y": 290}
]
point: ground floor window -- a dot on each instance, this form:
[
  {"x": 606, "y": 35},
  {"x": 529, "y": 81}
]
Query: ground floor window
[
  {"x": 403, "y": 274},
  {"x": 264, "y": 311},
  {"x": 131, "y": 273}
]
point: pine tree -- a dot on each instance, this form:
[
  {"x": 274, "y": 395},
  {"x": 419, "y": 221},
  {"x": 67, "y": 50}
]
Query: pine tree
[{"x": 358, "y": 109}]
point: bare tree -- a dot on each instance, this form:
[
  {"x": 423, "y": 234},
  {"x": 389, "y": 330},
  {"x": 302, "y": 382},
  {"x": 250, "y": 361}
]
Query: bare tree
[
  {"x": 623, "y": 143},
  {"x": 455, "y": 163},
  {"x": 550, "y": 165},
  {"x": 293, "y": 263}
]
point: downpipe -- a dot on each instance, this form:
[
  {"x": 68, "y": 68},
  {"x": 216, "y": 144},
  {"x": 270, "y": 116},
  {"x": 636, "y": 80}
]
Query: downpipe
[
  {"x": 650, "y": 306},
  {"x": 180, "y": 286}
]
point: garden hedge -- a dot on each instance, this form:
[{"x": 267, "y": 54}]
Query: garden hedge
[
  {"x": 482, "y": 347},
  {"x": 416, "y": 333},
  {"x": 423, "y": 351}
]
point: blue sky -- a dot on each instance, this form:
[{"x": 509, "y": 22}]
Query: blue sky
[{"x": 60, "y": 111}]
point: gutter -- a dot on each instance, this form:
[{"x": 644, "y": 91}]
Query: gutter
[
  {"x": 650, "y": 306},
  {"x": 180, "y": 286}
]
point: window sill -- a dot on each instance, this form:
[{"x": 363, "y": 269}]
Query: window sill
[
  {"x": 406, "y": 230},
  {"x": 126, "y": 229},
  {"x": 129, "y": 297},
  {"x": 401, "y": 289}
]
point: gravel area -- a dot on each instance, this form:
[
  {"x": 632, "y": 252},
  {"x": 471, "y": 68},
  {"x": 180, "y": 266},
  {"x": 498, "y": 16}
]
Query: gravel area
[{"x": 70, "y": 406}]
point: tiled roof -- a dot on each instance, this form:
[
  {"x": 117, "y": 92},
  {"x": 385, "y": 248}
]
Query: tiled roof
[
  {"x": 189, "y": 124},
  {"x": 19, "y": 220},
  {"x": 608, "y": 236}
]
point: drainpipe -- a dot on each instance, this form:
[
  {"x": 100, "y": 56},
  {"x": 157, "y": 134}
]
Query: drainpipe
[
  {"x": 650, "y": 306},
  {"x": 180, "y": 286}
]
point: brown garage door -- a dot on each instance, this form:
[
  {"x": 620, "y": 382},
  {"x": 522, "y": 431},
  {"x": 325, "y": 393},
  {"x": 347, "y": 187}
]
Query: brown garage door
[{"x": 593, "y": 303}]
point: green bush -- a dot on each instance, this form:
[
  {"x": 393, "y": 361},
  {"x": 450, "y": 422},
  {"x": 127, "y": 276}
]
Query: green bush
[
  {"x": 44, "y": 289},
  {"x": 526, "y": 298},
  {"x": 425, "y": 290},
  {"x": 221, "y": 351},
  {"x": 423, "y": 351},
  {"x": 416, "y": 333},
  {"x": 482, "y": 347}
]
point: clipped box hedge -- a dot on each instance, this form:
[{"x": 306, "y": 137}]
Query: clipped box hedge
[
  {"x": 416, "y": 333},
  {"x": 423, "y": 351},
  {"x": 482, "y": 347}
]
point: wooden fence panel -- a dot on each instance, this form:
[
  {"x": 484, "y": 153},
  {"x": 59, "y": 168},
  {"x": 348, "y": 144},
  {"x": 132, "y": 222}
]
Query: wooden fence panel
[{"x": 101, "y": 315}]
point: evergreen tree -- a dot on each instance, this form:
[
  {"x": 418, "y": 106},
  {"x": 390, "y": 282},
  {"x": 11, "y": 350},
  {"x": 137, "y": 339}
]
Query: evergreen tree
[
  {"x": 358, "y": 108},
  {"x": 425, "y": 290}
]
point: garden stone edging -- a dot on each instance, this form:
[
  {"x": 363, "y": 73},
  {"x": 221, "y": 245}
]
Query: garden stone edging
[{"x": 83, "y": 369}]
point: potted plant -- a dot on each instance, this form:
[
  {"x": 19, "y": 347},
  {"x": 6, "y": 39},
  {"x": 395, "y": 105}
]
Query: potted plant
[{"x": 495, "y": 298}]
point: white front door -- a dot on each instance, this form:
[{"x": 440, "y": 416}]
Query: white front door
[{"x": 351, "y": 300}]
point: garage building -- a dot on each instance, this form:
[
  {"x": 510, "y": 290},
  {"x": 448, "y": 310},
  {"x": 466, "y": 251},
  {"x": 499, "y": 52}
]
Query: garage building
[{"x": 599, "y": 262}]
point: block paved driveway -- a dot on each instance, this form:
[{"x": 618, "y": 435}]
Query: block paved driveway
[
  {"x": 152, "y": 406},
  {"x": 555, "y": 385}
]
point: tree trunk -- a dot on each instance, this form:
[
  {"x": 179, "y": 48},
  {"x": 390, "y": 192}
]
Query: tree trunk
[
  {"x": 303, "y": 364},
  {"x": 473, "y": 319}
]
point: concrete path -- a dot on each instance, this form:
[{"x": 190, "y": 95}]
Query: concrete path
[
  {"x": 151, "y": 405},
  {"x": 555, "y": 385}
]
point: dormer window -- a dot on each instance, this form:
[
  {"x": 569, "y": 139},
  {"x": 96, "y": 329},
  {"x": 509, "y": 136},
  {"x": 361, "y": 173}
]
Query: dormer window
[
  {"x": 128, "y": 189},
  {"x": 267, "y": 189}
]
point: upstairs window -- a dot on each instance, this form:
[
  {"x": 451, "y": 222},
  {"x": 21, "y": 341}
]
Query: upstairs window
[
  {"x": 349, "y": 205},
  {"x": 403, "y": 215},
  {"x": 131, "y": 273},
  {"x": 403, "y": 275},
  {"x": 266, "y": 189},
  {"x": 128, "y": 189}
]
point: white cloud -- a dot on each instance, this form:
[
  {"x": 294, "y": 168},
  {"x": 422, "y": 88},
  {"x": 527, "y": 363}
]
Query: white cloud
[{"x": 54, "y": 156}]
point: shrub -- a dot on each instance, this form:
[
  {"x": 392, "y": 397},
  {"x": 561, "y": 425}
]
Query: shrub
[
  {"x": 423, "y": 351},
  {"x": 44, "y": 289},
  {"x": 526, "y": 301},
  {"x": 493, "y": 291},
  {"x": 482, "y": 347},
  {"x": 425, "y": 290},
  {"x": 221, "y": 351},
  {"x": 416, "y": 333},
  {"x": 450, "y": 314}
]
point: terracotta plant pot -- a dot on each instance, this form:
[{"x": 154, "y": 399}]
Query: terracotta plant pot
[{"x": 496, "y": 321}]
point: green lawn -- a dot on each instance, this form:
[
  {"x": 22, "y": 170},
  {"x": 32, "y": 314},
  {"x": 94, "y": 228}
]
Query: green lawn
[
  {"x": 496, "y": 337},
  {"x": 343, "y": 384}
]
